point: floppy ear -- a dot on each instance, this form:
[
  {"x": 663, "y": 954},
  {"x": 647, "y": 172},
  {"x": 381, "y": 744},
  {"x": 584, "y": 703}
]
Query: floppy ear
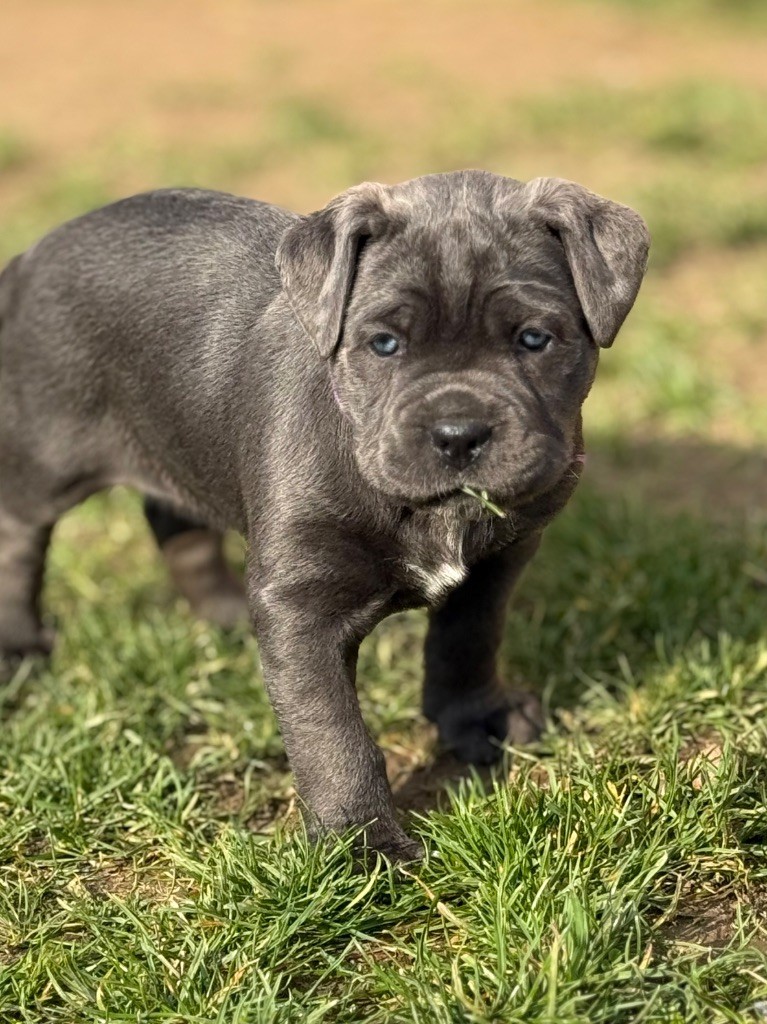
[
  {"x": 606, "y": 245},
  {"x": 317, "y": 260}
]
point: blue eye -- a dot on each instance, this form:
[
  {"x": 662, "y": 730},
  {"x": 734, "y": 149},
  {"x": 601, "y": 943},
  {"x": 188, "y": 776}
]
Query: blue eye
[
  {"x": 384, "y": 344},
  {"x": 533, "y": 340}
]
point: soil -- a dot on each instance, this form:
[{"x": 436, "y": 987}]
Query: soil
[{"x": 73, "y": 73}]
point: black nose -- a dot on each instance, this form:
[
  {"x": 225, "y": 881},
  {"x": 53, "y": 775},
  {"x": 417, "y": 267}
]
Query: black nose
[{"x": 459, "y": 442}]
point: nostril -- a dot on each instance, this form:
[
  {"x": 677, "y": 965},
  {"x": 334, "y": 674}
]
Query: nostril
[
  {"x": 480, "y": 438},
  {"x": 459, "y": 442}
]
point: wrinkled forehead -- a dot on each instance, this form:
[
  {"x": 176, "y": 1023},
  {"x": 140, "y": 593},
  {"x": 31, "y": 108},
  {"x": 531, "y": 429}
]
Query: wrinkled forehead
[{"x": 456, "y": 261}]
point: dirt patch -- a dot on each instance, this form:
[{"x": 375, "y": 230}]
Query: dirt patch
[
  {"x": 229, "y": 796},
  {"x": 123, "y": 879},
  {"x": 705, "y": 751},
  {"x": 37, "y": 844},
  {"x": 75, "y": 74},
  {"x": 419, "y": 773},
  {"x": 708, "y": 922},
  {"x": 10, "y": 955}
]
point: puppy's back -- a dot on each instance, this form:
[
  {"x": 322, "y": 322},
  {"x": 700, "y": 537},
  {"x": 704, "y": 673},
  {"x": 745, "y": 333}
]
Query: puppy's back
[
  {"x": 172, "y": 243},
  {"x": 130, "y": 325}
]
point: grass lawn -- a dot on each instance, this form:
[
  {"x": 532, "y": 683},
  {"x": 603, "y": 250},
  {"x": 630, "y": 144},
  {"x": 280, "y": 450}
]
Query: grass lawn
[
  {"x": 615, "y": 872},
  {"x": 152, "y": 865}
]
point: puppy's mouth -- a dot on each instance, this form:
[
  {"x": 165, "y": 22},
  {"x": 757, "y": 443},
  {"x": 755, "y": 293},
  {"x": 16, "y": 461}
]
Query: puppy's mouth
[
  {"x": 458, "y": 497},
  {"x": 473, "y": 498}
]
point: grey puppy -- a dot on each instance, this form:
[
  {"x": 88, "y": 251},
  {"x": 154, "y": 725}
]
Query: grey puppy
[{"x": 327, "y": 385}]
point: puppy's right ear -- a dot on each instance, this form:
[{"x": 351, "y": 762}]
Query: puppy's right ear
[{"x": 317, "y": 260}]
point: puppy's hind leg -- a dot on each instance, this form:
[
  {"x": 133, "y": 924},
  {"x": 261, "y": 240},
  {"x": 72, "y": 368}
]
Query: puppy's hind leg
[
  {"x": 31, "y": 502},
  {"x": 23, "y": 546},
  {"x": 195, "y": 558}
]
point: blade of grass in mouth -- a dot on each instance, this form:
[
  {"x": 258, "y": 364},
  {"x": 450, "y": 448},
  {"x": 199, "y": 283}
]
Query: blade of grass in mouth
[{"x": 484, "y": 500}]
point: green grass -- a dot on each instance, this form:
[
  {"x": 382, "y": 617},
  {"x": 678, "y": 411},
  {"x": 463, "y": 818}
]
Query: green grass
[
  {"x": 153, "y": 870},
  {"x": 733, "y": 13},
  {"x": 15, "y": 154},
  {"x": 717, "y": 120}
]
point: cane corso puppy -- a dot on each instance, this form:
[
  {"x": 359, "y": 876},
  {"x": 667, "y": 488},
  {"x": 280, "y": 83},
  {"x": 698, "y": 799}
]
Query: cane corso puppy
[{"x": 330, "y": 385}]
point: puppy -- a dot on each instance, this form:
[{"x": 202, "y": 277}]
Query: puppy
[{"x": 329, "y": 385}]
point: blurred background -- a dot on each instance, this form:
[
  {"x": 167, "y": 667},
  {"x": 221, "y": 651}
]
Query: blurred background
[{"x": 658, "y": 104}]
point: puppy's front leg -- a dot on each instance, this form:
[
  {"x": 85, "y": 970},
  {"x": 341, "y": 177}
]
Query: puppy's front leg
[
  {"x": 462, "y": 693},
  {"x": 309, "y": 633}
]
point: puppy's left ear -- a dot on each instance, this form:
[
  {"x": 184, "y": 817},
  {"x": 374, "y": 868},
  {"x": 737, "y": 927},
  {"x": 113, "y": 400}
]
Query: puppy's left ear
[
  {"x": 606, "y": 245},
  {"x": 317, "y": 260}
]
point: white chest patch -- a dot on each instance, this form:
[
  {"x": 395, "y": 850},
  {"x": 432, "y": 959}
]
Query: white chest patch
[
  {"x": 438, "y": 582},
  {"x": 434, "y": 560}
]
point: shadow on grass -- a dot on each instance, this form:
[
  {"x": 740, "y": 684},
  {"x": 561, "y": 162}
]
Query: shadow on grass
[
  {"x": 718, "y": 482},
  {"x": 426, "y": 787}
]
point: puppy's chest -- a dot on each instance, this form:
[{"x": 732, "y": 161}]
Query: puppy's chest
[{"x": 437, "y": 550}]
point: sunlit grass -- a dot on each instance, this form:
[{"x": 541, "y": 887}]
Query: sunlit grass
[{"x": 141, "y": 781}]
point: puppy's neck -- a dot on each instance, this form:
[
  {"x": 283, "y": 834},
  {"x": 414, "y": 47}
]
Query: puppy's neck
[{"x": 439, "y": 543}]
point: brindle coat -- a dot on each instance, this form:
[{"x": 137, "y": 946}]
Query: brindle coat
[{"x": 216, "y": 353}]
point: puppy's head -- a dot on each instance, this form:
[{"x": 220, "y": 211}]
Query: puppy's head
[{"x": 461, "y": 315}]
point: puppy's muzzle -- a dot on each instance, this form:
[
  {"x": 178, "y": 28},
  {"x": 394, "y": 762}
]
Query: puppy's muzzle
[{"x": 460, "y": 442}]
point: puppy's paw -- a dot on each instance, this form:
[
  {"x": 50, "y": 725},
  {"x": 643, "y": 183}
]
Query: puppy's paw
[
  {"x": 385, "y": 837},
  {"x": 476, "y": 729},
  {"x": 396, "y": 846}
]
